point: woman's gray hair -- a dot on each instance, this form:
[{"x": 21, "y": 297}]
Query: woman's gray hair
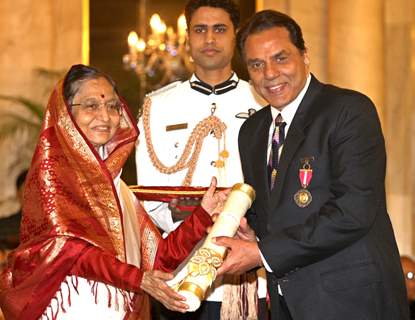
[{"x": 77, "y": 75}]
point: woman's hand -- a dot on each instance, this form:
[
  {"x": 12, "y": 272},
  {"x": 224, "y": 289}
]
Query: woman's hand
[
  {"x": 154, "y": 283},
  {"x": 213, "y": 200},
  {"x": 176, "y": 207}
]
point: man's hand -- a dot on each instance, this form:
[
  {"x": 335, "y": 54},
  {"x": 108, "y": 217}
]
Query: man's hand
[
  {"x": 245, "y": 232},
  {"x": 154, "y": 283},
  {"x": 242, "y": 255},
  {"x": 213, "y": 201}
]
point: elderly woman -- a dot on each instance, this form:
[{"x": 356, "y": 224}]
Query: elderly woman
[{"x": 88, "y": 249}]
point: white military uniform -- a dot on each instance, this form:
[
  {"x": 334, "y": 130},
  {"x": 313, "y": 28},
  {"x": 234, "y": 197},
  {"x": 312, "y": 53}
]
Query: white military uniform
[{"x": 186, "y": 104}]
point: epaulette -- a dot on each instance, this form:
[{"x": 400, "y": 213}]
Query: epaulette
[{"x": 164, "y": 89}]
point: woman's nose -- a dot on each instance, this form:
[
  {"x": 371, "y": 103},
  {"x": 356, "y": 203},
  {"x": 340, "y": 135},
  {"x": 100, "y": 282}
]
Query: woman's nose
[{"x": 103, "y": 113}]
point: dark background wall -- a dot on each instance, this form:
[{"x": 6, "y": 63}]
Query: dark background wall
[{"x": 110, "y": 23}]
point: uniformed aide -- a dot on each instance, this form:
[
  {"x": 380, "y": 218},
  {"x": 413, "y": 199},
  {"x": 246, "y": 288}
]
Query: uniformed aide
[{"x": 189, "y": 134}]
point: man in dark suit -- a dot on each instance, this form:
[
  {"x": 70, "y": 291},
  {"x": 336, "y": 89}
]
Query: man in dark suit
[{"x": 316, "y": 158}]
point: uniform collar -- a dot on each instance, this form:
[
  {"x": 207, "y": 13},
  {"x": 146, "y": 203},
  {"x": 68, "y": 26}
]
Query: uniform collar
[{"x": 203, "y": 87}]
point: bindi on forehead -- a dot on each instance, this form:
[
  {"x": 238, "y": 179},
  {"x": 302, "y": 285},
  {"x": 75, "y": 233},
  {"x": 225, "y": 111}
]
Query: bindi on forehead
[{"x": 102, "y": 95}]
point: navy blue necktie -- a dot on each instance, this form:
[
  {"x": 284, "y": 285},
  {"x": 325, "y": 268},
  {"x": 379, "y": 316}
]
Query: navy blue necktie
[{"x": 277, "y": 141}]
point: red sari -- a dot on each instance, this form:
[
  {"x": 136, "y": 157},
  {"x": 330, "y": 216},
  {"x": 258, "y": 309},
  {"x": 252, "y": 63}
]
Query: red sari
[{"x": 73, "y": 224}]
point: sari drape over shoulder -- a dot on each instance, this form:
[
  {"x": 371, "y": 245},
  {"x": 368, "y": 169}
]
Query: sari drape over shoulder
[{"x": 70, "y": 204}]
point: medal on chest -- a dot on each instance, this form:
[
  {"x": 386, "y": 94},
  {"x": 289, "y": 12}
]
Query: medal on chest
[{"x": 303, "y": 197}]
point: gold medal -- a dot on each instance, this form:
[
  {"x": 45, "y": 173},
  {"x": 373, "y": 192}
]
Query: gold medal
[{"x": 303, "y": 198}]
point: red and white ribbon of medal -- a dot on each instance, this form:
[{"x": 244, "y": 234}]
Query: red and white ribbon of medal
[{"x": 305, "y": 175}]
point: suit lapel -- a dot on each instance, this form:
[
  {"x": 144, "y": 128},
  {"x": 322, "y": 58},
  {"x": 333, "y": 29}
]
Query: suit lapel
[
  {"x": 260, "y": 156},
  {"x": 295, "y": 137}
]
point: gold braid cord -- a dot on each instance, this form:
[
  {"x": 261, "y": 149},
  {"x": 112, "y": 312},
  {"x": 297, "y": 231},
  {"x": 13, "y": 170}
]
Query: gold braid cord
[{"x": 188, "y": 159}]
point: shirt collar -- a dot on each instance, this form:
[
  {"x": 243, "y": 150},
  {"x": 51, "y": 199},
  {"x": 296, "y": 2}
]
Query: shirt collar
[
  {"x": 290, "y": 109},
  {"x": 203, "y": 87}
]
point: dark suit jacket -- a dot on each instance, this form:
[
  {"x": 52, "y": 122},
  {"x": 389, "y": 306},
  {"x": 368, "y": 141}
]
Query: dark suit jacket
[{"x": 336, "y": 258}]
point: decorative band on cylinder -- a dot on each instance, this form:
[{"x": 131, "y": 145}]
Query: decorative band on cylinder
[
  {"x": 193, "y": 288},
  {"x": 246, "y": 188}
]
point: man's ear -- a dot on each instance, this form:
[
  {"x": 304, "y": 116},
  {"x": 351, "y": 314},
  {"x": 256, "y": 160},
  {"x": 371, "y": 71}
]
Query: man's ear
[{"x": 306, "y": 58}]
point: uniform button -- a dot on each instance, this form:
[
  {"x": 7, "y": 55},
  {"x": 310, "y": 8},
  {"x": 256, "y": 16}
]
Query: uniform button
[{"x": 176, "y": 145}]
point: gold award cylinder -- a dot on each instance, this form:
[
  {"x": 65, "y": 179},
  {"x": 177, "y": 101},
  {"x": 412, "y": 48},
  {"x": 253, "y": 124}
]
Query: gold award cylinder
[{"x": 201, "y": 268}]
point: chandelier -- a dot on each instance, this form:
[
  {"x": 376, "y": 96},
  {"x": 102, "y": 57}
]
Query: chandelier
[{"x": 162, "y": 57}]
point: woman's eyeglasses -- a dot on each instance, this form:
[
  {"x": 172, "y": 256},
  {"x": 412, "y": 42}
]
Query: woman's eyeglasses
[{"x": 93, "y": 106}]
